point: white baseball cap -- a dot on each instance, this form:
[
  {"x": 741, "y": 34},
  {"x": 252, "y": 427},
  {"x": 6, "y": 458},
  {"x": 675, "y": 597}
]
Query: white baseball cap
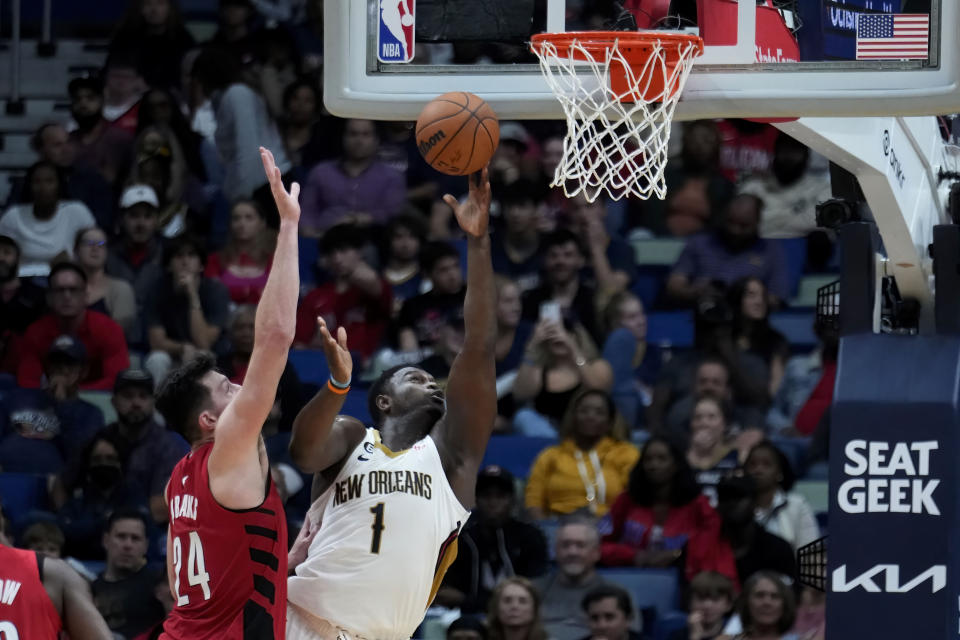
[{"x": 137, "y": 193}]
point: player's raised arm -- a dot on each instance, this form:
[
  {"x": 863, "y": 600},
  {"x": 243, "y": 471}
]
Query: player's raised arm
[
  {"x": 238, "y": 431},
  {"x": 471, "y": 389},
  {"x": 320, "y": 439}
]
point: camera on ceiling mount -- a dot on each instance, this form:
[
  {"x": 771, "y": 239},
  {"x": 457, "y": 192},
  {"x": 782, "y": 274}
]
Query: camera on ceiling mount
[{"x": 836, "y": 212}]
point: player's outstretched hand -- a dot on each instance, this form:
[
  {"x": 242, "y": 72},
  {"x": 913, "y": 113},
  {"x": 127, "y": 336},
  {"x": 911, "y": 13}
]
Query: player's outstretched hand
[
  {"x": 338, "y": 356},
  {"x": 287, "y": 203},
  {"x": 474, "y": 214}
]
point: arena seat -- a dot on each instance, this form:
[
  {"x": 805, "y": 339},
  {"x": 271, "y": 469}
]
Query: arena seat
[
  {"x": 657, "y": 251},
  {"x": 649, "y": 588},
  {"x": 21, "y": 493},
  {"x": 796, "y": 451},
  {"x": 668, "y": 623},
  {"x": 649, "y": 283},
  {"x": 548, "y": 527},
  {"x": 673, "y": 327},
  {"x": 308, "y": 254},
  {"x": 817, "y": 493},
  {"x": 797, "y": 328},
  {"x": 807, "y": 289},
  {"x": 515, "y": 453},
  {"x": 795, "y": 253},
  {"x": 101, "y": 400}
]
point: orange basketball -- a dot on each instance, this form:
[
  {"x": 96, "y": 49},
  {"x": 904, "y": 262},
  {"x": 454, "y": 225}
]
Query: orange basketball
[{"x": 457, "y": 133}]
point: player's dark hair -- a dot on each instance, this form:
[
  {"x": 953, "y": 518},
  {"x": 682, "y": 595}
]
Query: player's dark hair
[
  {"x": 127, "y": 513},
  {"x": 605, "y": 591},
  {"x": 377, "y": 389},
  {"x": 786, "y": 470},
  {"x": 434, "y": 252},
  {"x": 683, "y": 487},
  {"x": 182, "y": 397}
]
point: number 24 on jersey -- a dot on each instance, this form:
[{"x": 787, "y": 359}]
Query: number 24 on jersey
[{"x": 196, "y": 570}]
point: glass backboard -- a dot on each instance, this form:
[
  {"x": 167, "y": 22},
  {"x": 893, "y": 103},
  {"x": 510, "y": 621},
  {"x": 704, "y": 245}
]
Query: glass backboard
[{"x": 385, "y": 59}]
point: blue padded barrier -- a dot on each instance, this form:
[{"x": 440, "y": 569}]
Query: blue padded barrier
[{"x": 515, "y": 453}]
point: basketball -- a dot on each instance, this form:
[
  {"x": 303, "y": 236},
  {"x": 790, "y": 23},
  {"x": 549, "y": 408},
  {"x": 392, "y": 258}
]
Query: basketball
[{"x": 457, "y": 133}]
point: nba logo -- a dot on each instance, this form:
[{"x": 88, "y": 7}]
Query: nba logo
[{"x": 395, "y": 36}]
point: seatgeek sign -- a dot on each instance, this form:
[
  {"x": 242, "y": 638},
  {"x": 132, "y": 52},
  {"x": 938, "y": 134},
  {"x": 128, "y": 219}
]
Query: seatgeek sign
[
  {"x": 893, "y": 452},
  {"x": 888, "y": 477}
]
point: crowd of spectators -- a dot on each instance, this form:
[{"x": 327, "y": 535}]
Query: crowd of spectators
[{"x": 143, "y": 236}]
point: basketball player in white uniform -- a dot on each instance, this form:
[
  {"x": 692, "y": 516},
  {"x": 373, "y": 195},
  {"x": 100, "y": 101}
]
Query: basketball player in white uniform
[{"x": 389, "y": 502}]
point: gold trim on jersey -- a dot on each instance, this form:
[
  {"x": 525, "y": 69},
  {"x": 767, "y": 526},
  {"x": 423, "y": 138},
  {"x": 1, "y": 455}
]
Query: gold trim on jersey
[
  {"x": 379, "y": 445},
  {"x": 448, "y": 553}
]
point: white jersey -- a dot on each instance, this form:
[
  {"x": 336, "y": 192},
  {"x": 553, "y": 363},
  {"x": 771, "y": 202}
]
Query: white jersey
[{"x": 388, "y": 532}]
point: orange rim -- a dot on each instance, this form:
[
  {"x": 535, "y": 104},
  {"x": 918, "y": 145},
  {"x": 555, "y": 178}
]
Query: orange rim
[{"x": 634, "y": 45}]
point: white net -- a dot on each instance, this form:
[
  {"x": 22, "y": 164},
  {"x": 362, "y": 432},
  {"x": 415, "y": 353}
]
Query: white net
[{"x": 617, "y": 134}]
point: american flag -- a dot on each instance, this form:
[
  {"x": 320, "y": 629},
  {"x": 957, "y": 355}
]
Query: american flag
[{"x": 893, "y": 37}]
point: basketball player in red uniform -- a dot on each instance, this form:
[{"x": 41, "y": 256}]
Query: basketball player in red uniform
[
  {"x": 227, "y": 539},
  {"x": 39, "y": 597}
]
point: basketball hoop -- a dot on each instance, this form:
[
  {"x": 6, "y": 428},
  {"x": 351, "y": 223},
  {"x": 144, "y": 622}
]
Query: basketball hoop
[{"x": 618, "y": 90}]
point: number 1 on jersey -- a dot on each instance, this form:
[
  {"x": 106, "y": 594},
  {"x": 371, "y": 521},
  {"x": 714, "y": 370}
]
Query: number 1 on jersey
[{"x": 377, "y": 527}]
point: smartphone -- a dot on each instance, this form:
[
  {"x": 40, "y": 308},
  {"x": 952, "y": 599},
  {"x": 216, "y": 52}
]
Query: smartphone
[{"x": 550, "y": 311}]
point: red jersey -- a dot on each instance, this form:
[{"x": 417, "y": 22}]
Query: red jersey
[
  {"x": 103, "y": 339},
  {"x": 26, "y": 610},
  {"x": 695, "y": 527},
  {"x": 365, "y": 318},
  {"x": 229, "y": 567},
  {"x": 743, "y": 153}
]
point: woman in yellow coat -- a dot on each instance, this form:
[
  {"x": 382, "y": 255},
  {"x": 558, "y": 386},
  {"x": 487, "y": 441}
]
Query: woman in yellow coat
[{"x": 590, "y": 466}]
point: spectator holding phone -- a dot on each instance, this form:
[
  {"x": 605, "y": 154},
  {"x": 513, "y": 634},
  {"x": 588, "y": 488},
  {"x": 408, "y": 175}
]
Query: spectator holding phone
[
  {"x": 563, "y": 259},
  {"x": 560, "y": 360}
]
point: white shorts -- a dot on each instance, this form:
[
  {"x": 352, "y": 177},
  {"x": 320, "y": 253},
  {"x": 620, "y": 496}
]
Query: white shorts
[{"x": 301, "y": 625}]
